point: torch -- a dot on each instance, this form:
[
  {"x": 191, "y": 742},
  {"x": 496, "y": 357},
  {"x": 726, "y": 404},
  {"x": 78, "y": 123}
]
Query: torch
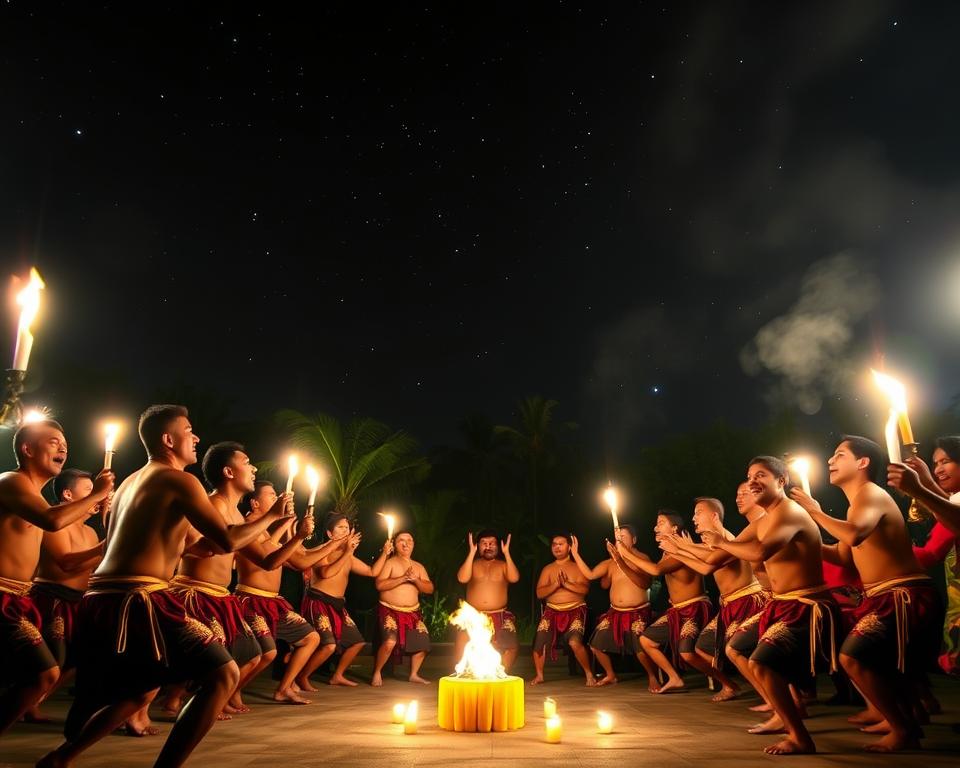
[
  {"x": 898, "y": 429},
  {"x": 610, "y": 497},
  {"x": 391, "y": 521},
  {"x": 29, "y": 301},
  {"x": 801, "y": 467}
]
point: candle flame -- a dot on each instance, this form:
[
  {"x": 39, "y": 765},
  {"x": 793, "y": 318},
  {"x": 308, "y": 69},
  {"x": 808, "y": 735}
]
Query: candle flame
[
  {"x": 313, "y": 478},
  {"x": 893, "y": 389},
  {"x": 480, "y": 660},
  {"x": 293, "y": 466},
  {"x": 29, "y": 299},
  {"x": 110, "y": 432},
  {"x": 391, "y": 523},
  {"x": 33, "y": 415},
  {"x": 801, "y": 466},
  {"x": 610, "y": 498}
]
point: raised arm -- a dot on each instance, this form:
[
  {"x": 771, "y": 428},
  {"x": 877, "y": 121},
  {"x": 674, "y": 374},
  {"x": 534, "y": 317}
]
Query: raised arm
[
  {"x": 863, "y": 519},
  {"x": 671, "y": 548},
  {"x": 666, "y": 564},
  {"x": 18, "y": 496},
  {"x": 465, "y": 572},
  {"x": 905, "y": 479},
  {"x": 513, "y": 573},
  {"x": 777, "y": 537},
  {"x": 268, "y": 559},
  {"x": 938, "y": 545},
  {"x": 639, "y": 578},
  {"x": 360, "y": 568},
  {"x": 588, "y": 573}
]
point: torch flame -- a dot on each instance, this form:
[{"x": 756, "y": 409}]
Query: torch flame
[
  {"x": 29, "y": 299},
  {"x": 293, "y": 466},
  {"x": 110, "y": 432},
  {"x": 893, "y": 389},
  {"x": 610, "y": 498},
  {"x": 391, "y": 523},
  {"x": 313, "y": 480},
  {"x": 33, "y": 415},
  {"x": 480, "y": 659}
]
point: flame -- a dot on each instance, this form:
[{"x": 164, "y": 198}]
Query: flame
[
  {"x": 801, "y": 466},
  {"x": 610, "y": 498},
  {"x": 893, "y": 389},
  {"x": 480, "y": 659},
  {"x": 313, "y": 480},
  {"x": 293, "y": 466},
  {"x": 110, "y": 432},
  {"x": 29, "y": 299},
  {"x": 391, "y": 523},
  {"x": 33, "y": 415}
]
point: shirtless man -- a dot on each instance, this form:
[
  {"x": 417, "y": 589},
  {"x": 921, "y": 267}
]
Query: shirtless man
[
  {"x": 133, "y": 632},
  {"x": 402, "y": 630},
  {"x": 690, "y": 608},
  {"x": 487, "y": 580},
  {"x": 741, "y": 595},
  {"x": 67, "y": 558},
  {"x": 323, "y": 602},
  {"x": 41, "y": 451},
  {"x": 269, "y": 614},
  {"x": 799, "y": 621},
  {"x": 619, "y": 629},
  {"x": 894, "y": 628},
  {"x": 563, "y": 588}
]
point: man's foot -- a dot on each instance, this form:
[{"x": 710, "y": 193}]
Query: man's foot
[
  {"x": 418, "y": 679},
  {"x": 376, "y": 681},
  {"x": 236, "y": 702},
  {"x": 221, "y": 716},
  {"x": 129, "y": 729},
  {"x": 882, "y": 727},
  {"x": 607, "y": 680},
  {"x": 791, "y": 747},
  {"x": 773, "y": 725},
  {"x": 672, "y": 684},
  {"x": 652, "y": 684},
  {"x": 591, "y": 681},
  {"x": 289, "y": 696},
  {"x": 763, "y": 708},
  {"x": 866, "y": 717},
  {"x": 726, "y": 694},
  {"x": 537, "y": 680},
  {"x": 893, "y": 743},
  {"x": 341, "y": 680},
  {"x": 305, "y": 685}
]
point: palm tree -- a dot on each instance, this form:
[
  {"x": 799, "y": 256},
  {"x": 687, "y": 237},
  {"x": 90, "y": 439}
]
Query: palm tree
[{"x": 367, "y": 461}]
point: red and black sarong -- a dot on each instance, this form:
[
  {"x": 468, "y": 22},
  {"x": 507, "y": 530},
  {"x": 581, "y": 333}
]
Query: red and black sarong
[
  {"x": 560, "y": 623},
  {"x": 23, "y": 653},
  {"x": 58, "y": 605},
  {"x": 619, "y": 629},
  {"x": 329, "y": 617},
  {"x": 404, "y": 625}
]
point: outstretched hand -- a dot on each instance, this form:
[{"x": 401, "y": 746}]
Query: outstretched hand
[
  {"x": 471, "y": 545},
  {"x": 669, "y": 545},
  {"x": 919, "y": 466},
  {"x": 903, "y": 478},
  {"x": 805, "y": 500},
  {"x": 710, "y": 538},
  {"x": 388, "y": 547},
  {"x": 574, "y": 545},
  {"x": 611, "y": 548},
  {"x": 505, "y": 546}
]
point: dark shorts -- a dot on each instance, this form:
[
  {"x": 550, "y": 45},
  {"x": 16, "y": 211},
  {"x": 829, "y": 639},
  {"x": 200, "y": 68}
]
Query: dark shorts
[
  {"x": 678, "y": 629},
  {"x": 785, "y": 637},
  {"x": 406, "y": 628},
  {"x": 504, "y": 630},
  {"x": 329, "y": 617},
  {"x": 223, "y": 616},
  {"x": 560, "y": 627},
  {"x": 727, "y": 622},
  {"x": 745, "y": 638},
  {"x": 23, "y": 653},
  {"x": 58, "y": 606},
  {"x": 876, "y": 638},
  {"x": 619, "y": 631},
  {"x": 272, "y": 619}
]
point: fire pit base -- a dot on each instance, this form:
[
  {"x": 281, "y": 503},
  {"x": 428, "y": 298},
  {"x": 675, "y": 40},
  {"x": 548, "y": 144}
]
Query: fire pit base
[{"x": 470, "y": 705}]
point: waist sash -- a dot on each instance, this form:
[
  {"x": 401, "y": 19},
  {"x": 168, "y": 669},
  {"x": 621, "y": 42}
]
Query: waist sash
[
  {"x": 15, "y": 586},
  {"x": 254, "y": 591},
  {"x": 691, "y": 601},
  {"x": 401, "y": 608},
  {"x": 816, "y": 621},
  {"x": 565, "y": 606},
  {"x": 135, "y": 588},
  {"x": 751, "y": 589},
  {"x": 901, "y": 599}
]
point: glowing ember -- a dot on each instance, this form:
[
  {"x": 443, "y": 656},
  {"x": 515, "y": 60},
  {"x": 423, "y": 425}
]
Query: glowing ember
[{"x": 480, "y": 659}]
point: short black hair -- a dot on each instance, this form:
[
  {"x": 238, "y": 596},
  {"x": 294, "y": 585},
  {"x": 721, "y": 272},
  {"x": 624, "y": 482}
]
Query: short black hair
[
  {"x": 216, "y": 459},
  {"x": 775, "y": 465},
  {"x": 566, "y": 536},
  {"x": 28, "y": 432},
  {"x": 154, "y": 423},
  {"x": 715, "y": 504},
  {"x": 950, "y": 445},
  {"x": 629, "y": 529},
  {"x": 67, "y": 481},
  {"x": 864, "y": 447},
  {"x": 244, "y": 505},
  {"x": 332, "y": 519},
  {"x": 486, "y": 533},
  {"x": 674, "y": 519}
]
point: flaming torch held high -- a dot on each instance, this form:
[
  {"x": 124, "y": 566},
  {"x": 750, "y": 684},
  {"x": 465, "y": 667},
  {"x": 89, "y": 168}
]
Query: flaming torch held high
[
  {"x": 293, "y": 467},
  {"x": 29, "y": 301},
  {"x": 801, "y": 467},
  {"x": 391, "y": 521},
  {"x": 110, "y": 432},
  {"x": 612, "y": 500},
  {"x": 898, "y": 422}
]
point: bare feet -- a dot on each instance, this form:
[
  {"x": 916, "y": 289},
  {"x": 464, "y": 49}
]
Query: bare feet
[
  {"x": 376, "y": 681},
  {"x": 866, "y": 717},
  {"x": 726, "y": 694},
  {"x": 289, "y": 696},
  {"x": 672, "y": 684},
  {"x": 791, "y": 747},
  {"x": 537, "y": 680},
  {"x": 591, "y": 682},
  {"x": 341, "y": 680},
  {"x": 148, "y": 730},
  {"x": 305, "y": 685},
  {"x": 882, "y": 727},
  {"x": 761, "y": 708},
  {"x": 607, "y": 680},
  {"x": 773, "y": 725},
  {"x": 652, "y": 684},
  {"x": 221, "y": 716},
  {"x": 418, "y": 679},
  {"x": 893, "y": 743}
]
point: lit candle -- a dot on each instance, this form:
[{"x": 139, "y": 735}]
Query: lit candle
[
  {"x": 604, "y": 722},
  {"x": 109, "y": 443},
  {"x": 802, "y": 468},
  {"x": 549, "y": 708},
  {"x": 610, "y": 496},
  {"x": 29, "y": 300},
  {"x": 410, "y": 719},
  {"x": 313, "y": 480},
  {"x": 554, "y": 730},
  {"x": 897, "y": 394},
  {"x": 391, "y": 521},
  {"x": 292, "y": 468},
  {"x": 399, "y": 713},
  {"x": 893, "y": 439}
]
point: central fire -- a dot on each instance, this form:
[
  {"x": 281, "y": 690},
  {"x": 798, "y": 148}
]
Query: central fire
[{"x": 480, "y": 695}]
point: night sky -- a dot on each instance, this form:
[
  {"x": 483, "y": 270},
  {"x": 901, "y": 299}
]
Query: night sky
[{"x": 657, "y": 214}]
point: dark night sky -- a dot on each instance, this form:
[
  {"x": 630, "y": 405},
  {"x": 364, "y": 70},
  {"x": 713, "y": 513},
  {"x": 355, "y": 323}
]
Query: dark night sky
[{"x": 658, "y": 214}]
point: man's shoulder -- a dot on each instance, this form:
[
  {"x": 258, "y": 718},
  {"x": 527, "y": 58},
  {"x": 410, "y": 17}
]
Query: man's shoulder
[{"x": 14, "y": 477}]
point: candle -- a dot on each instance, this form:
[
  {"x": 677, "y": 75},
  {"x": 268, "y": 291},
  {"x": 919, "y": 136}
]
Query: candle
[
  {"x": 109, "y": 443},
  {"x": 549, "y": 708},
  {"x": 29, "y": 300},
  {"x": 399, "y": 713},
  {"x": 610, "y": 496},
  {"x": 893, "y": 439},
  {"x": 604, "y": 722},
  {"x": 391, "y": 521},
  {"x": 313, "y": 480},
  {"x": 897, "y": 394},
  {"x": 554, "y": 730},
  {"x": 410, "y": 719},
  {"x": 292, "y": 468},
  {"x": 802, "y": 468}
]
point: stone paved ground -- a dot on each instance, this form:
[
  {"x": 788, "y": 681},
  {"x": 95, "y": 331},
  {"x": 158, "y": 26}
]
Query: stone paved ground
[{"x": 351, "y": 728}]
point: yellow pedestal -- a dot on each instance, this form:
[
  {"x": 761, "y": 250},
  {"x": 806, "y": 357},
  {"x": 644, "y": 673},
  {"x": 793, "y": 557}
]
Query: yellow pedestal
[{"x": 480, "y": 705}]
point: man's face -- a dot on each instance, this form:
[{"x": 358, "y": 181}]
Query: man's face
[
  {"x": 47, "y": 450},
  {"x": 746, "y": 500},
  {"x": 663, "y": 527},
  {"x": 82, "y": 488},
  {"x": 404, "y": 544},
  {"x": 704, "y": 517},
  {"x": 946, "y": 471},
  {"x": 184, "y": 442},
  {"x": 764, "y": 485},
  {"x": 261, "y": 502},
  {"x": 488, "y": 547},
  {"x": 559, "y": 548},
  {"x": 340, "y": 530},
  {"x": 843, "y": 465},
  {"x": 244, "y": 473},
  {"x": 624, "y": 535}
]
